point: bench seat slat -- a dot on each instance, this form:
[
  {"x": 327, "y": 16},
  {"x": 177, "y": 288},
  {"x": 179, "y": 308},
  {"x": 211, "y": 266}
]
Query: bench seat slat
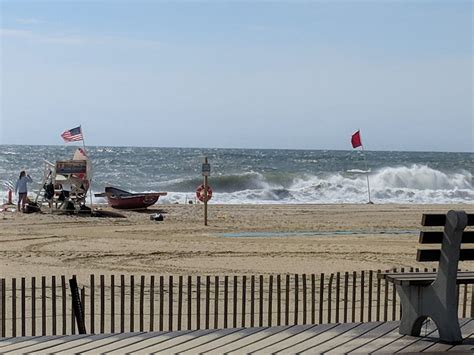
[
  {"x": 436, "y": 237},
  {"x": 434, "y": 255},
  {"x": 425, "y": 278},
  {"x": 439, "y": 220}
]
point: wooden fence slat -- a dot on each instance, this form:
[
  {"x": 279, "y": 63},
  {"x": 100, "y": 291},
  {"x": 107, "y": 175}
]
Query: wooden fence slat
[
  {"x": 287, "y": 300},
  {"x": 112, "y": 304},
  {"x": 33, "y": 306},
  {"x": 162, "y": 303},
  {"x": 132, "y": 303},
  {"x": 278, "y": 300},
  {"x": 122, "y": 303},
  {"x": 296, "y": 300},
  {"x": 260, "y": 301},
  {"x": 394, "y": 302},
  {"x": 346, "y": 294},
  {"x": 92, "y": 304},
  {"x": 362, "y": 291},
  {"x": 208, "y": 300},
  {"x": 170, "y": 303},
  {"x": 244, "y": 300},
  {"x": 23, "y": 307},
  {"x": 252, "y": 301},
  {"x": 180, "y": 301},
  {"x": 354, "y": 297},
  {"x": 379, "y": 284},
  {"x": 83, "y": 301},
  {"x": 313, "y": 299},
  {"x": 63, "y": 301},
  {"x": 338, "y": 290},
  {"x": 385, "y": 308},
  {"x": 464, "y": 302},
  {"x": 226, "y": 300},
  {"x": 73, "y": 320},
  {"x": 270, "y": 298},
  {"x": 102, "y": 304},
  {"x": 303, "y": 279},
  {"x": 330, "y": 298},
  {"x": 53, "y": 305},
  {"x": 14, "y": 307},
  {"x": 198, "y": 302},
  {"x": 43, "y": 306},
  {"x": 190, "y": 299},
  {"x": 234, "y": 303},
  {"x": 216, "y": 302},
  {"x": 152, "y": 303},
  {"x": 472, "y": 302},
  {"x": 3, "y": 303},
  {"x": 142, "y": 301},
  {"x": 369, "y": 301},
  {"x": 321, "y": 298}
]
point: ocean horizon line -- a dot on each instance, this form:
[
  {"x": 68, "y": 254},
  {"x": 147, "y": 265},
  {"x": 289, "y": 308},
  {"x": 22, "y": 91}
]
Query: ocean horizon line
[{"x": 238, "y": 148}]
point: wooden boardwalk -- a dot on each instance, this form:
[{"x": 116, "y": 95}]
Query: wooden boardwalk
[{"x": 337, "y": 338}]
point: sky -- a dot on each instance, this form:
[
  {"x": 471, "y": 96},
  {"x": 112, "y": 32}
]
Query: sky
[{"x": 239, "y": 74}]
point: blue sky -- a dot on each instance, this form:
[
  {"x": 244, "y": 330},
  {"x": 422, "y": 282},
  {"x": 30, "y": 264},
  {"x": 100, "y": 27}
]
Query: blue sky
[{"x": 248, "y": 74}]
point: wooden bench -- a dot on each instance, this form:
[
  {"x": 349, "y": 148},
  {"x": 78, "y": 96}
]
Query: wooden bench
[{"x": 435, "y": 295}]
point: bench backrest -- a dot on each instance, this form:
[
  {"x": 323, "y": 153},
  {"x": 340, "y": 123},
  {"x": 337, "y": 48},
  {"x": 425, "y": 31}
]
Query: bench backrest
[{"x": 436, "y": 237}]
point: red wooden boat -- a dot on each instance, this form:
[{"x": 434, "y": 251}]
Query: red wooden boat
[{"x": 131, "y": 201}]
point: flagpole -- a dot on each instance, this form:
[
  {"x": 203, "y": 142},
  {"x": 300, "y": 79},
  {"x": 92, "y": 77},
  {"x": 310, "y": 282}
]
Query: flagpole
[
  {"x": 366, "y": 172},
  {"x": 87, "y": 156}
]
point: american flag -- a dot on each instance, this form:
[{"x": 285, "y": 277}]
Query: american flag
[{"x": 72, "y": 135}]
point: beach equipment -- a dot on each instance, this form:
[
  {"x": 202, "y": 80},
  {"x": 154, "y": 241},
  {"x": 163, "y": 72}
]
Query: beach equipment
[
  {"x": 122, "y": 199},
  {"x": 201, "y": 193}
]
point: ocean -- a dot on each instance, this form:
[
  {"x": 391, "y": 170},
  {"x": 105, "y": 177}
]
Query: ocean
[{"x": 262, "y": 176}]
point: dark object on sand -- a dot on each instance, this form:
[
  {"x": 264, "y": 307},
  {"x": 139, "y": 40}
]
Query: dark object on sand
[
  {"x": 130, "y": 201},
  {"x": 32, "y": 207},
  {"x": 156, "y": 217},
  {"x": 101, "y": 213}
]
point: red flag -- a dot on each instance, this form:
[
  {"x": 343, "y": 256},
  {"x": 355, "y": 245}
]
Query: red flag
[{"x": 355, "y": 140}]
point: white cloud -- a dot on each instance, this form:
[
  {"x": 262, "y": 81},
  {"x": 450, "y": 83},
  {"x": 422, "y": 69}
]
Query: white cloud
[
  {"x": 29, "y": 21},
  {"x": 76, "y": 39}
]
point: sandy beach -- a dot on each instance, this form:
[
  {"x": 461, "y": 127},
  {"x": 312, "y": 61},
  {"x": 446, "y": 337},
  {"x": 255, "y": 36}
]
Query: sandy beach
[{"x": 240, "y": 239}]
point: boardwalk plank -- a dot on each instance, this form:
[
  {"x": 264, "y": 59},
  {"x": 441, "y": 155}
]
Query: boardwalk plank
[
  {"x": 261, "y": 345},
  {"x": 25, "y": 342},
  {"x": 145, "y": 341},
  {"x": 361, "y": 339},
  {"x": 298, "y": 338},
  {"x": 165, "y": 346},
  {"x": 68, "y": 342},
  {"x": 196, "y": 341},
  {"x": 251, "y": 339},
  {"x": 342, "y": 338},
  {"x": 215, "y": 345},
  {"x": 405, "y": 340},
  {"x": 318, "y": 338},
  {"x": 112, "y": 340}
]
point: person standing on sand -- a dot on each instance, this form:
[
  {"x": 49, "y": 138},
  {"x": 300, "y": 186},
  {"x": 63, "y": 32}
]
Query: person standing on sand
[{"x": 22, "y": 189}]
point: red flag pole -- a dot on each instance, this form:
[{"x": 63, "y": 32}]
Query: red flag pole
[{"x": 366, "y": 170}]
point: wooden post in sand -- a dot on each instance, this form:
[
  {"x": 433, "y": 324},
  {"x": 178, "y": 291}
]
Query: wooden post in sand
[{"x": 206, "y": 170}]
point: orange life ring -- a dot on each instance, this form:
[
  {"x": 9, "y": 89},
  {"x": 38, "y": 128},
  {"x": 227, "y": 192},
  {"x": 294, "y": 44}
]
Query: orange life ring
[{"x": 200, "y": 193}]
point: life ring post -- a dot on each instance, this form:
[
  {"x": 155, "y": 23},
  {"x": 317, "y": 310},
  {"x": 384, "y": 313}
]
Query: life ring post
[{"x": 204, "y": 191}]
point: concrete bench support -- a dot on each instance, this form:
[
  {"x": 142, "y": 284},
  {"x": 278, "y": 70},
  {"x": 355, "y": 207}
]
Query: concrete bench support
[{"x": 438, "y": 300}]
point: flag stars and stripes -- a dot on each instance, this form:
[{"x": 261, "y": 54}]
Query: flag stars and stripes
[{"x": 72, "y": 135}]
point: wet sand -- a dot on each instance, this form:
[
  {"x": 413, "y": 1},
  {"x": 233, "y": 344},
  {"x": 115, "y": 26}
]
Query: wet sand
[{"x": 271, "y": 239}]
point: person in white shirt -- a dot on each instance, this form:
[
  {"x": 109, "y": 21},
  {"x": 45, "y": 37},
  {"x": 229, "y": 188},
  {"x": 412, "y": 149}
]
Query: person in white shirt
[{"x": 22, "y": 189}]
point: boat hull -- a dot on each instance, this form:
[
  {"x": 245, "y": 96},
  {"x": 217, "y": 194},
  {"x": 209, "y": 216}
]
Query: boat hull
[{"x": 121, "y": 199}]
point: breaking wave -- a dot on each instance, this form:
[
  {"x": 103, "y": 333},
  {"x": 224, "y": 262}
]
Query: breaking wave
[{"x": 414, "y": 184}]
